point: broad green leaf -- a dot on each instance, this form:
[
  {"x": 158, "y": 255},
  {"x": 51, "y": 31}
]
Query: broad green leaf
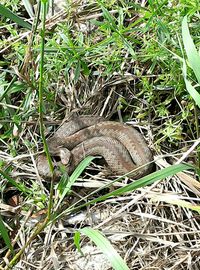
[
  {"x": 13, "y": 17},
  {"x": 105, "y": 246},
  {"x": 192, "y": 54},
  {"x": 5, "y": 236}
]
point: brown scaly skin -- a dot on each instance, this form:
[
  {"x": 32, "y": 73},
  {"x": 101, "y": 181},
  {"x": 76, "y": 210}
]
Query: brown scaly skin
[{"x": 122, "y": 147}]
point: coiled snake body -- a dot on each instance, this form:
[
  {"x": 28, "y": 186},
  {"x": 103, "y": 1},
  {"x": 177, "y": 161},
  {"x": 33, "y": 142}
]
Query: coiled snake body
[{"x": 122, "y": 147}]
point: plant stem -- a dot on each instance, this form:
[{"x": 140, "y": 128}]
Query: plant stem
[
  {"x": 42, "y": 225},
  {"x": 197, "y": 130},
  {"x": 42, "y": 127},
  {"x": 35, "y": 233}
]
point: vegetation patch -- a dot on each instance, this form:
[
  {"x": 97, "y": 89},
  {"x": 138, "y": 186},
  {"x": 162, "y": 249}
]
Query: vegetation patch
[{"x": 135, "y": 62}]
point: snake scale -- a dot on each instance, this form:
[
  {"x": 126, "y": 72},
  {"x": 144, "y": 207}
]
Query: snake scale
[{"x": 122, "y": 147}]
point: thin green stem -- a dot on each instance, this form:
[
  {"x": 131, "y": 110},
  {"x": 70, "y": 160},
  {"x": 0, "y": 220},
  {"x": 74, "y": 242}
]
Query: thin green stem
[
  {"x": 41, "y": 226},
  {"x": 198, "y": 132},
  {"x": 41, "y": 86}
]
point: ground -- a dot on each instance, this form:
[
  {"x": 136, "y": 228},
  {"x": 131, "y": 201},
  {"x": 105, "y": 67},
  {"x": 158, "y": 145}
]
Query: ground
[{"x": 123, "y": 61}]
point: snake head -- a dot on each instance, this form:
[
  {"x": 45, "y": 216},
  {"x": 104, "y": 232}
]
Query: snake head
[
  {"x": 65, "y": 156},
  {"x": 43, "y": 168}
]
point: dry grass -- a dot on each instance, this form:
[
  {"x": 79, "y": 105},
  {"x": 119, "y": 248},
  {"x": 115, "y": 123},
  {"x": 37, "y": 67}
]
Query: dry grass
[{"x": 149, "y": 228}]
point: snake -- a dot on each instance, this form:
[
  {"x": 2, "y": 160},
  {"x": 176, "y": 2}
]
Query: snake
[{"x": 122, "y": 147}]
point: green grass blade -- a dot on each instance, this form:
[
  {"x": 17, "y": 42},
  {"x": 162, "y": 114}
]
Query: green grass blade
[
  {"x": 82, "y": 165},
  {"x": 192, "y": 54},
  {"x": 109, "y": 17},
  {"x": 144, "y": 181},
  {"x": 29, "y": 7},
  {"x": 191, "y": 90},
  {"x": 13, "y": 17},
  {"x": 5, "y": 236},
  {"x": 105, "y": 246},
  {"x": 20, "y": 187},
  {"x": 72, "y": 179},
  {"x": 151, "y": 178},
  {"x": 77, "y": 239},
  {"x": 77, "y": 72}
]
